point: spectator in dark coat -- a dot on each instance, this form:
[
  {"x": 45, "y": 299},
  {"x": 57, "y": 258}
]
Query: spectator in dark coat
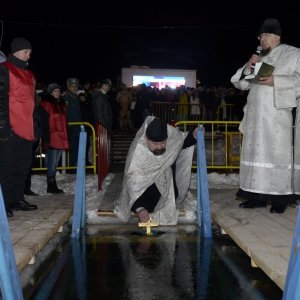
[
  {"x": 73, "y": 115},
  {"x": 101, "y": 105}
]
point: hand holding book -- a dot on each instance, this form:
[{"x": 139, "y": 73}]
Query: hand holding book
[{"x": 261, "y": 70}]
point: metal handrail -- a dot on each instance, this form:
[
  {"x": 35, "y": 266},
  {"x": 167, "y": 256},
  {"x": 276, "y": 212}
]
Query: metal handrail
[
  {"x": 218, "y": 130},
  {"x": 68, "y": 167}
]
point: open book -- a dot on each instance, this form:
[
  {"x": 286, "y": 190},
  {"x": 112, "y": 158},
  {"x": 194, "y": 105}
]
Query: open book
[{"x": 261, "y": 69}]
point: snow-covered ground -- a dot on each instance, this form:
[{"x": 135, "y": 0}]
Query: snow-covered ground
[
  {"x": 93, "y": 197},
  {"x": 218, "y": 181}
]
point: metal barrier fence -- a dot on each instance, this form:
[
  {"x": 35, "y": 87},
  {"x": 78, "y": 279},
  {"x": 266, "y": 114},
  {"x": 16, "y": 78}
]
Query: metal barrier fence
[
  {"x": 223, "y": 145},
  {"x": 103, "y": 159},
  {"x": 65, "y": 165},
  {"x": 222, "y": 141},
  {"x": 170, "y": 111}
]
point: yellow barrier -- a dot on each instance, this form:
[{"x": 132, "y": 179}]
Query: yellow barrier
[
  {"x": 68, "y": 167},
  {"x": 220, "y": 142}
]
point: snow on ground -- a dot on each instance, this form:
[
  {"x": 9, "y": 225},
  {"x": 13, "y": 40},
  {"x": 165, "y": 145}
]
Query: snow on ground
[
  {"x": 218, "y": 181},
  {"x": 68, "y": 181}
]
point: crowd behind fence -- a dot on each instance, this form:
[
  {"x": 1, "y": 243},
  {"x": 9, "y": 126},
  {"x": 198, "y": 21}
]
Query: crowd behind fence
[
  {"x": 222, "y": 139},
  {"x": 168, "y": 111}
]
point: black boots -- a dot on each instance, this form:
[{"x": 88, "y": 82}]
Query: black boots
[
  {"x": 52, "y": 187},
  {"x": 24, "y": 205},
  {"x": 253, "y": 204},
  {"x": 278, "y": 206},
  {"x": 9, "y": 211},
  {"x": 29, "y": 192}
]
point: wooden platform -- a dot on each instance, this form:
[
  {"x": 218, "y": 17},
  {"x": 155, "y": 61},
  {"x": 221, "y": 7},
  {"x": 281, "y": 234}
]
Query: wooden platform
[
  {"x": 31, "y": 230},
  {"x": 265, "y": 237}
]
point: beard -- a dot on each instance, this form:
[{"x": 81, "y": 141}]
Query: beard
[
  {"x": 158, "y": 152},
  {"x": 265, "y": 52}
]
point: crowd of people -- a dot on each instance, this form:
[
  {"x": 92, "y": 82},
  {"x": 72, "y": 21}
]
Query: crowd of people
[
  {"x": 269, "y": 165},
  {"x": 30, "y": 116}
]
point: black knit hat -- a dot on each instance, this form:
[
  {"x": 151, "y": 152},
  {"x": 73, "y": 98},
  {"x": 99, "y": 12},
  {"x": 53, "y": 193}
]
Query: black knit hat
[
  {"x": 270, "y": 26},
  {"x": 157, "y": 131},
  {"x": 52, "y": 86},
  {"x": 18, "y": 44}
]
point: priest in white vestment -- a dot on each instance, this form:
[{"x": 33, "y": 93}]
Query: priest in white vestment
[
  {"x": 157, "y": 174},
  {"x": 269, "y": 165}
]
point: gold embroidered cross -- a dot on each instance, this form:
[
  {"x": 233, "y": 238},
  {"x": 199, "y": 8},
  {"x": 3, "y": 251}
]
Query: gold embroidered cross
[{"x": 148, "y": 226}]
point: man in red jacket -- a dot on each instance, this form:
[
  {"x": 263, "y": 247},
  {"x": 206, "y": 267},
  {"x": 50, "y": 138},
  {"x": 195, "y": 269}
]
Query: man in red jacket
[{"x": 17, "y": 94}]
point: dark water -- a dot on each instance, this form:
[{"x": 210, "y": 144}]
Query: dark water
[{"x": 175, "y": 263}]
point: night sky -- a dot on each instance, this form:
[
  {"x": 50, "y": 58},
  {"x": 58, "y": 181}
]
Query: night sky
[{"x": 93, "y": 43}]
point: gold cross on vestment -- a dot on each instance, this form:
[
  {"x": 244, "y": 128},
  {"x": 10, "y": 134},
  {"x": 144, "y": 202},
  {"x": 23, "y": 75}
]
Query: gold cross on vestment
[{"x": 148, "y": 226}]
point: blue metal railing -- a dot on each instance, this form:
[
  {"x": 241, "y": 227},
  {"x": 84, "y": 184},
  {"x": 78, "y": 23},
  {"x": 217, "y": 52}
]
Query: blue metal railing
[
  {"x": 203, "y": 207},
  {"x": 292, "y": 279},
  {"x": 9, "y": 275},
  {"x": 78, "y": 223}
]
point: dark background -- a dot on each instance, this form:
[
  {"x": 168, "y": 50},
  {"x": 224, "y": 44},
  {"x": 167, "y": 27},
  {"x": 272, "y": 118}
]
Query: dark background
[{"x": 93, "y": 42}]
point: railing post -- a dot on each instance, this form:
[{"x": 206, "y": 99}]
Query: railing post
[
  {"x": 203, "y": 205},
  {"x": 103, "y": 154},
  {"x": 78, "y": 223},
  {"x": 9, "y": 276},
  {"x": 292, "y": 279}
]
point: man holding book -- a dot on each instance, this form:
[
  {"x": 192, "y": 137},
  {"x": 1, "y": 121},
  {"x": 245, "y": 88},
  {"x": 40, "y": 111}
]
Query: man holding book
[{"x": 269, "y": 170}]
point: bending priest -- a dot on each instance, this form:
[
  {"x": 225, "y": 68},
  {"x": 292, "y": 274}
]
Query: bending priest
[{"x": 157, "y": 174}]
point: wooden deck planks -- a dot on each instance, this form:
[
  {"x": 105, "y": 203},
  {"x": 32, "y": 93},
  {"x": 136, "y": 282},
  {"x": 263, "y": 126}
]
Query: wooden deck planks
[
  {"x": 32, "y": 230},
  {"x": 265, "y": 237}
]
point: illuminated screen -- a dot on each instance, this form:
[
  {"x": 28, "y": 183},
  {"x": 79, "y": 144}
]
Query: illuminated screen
[{"x": 159, "y": 82}]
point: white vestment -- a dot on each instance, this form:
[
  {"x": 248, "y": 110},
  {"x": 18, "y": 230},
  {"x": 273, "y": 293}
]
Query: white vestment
[
  {"x": 267, "y": 164},
  {"x": 143, "y": 168}
]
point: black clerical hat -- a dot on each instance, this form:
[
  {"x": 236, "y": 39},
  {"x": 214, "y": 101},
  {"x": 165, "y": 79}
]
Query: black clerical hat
[
  {"x": 157, "y": 130},
  {"x": 270, "y": 26}
]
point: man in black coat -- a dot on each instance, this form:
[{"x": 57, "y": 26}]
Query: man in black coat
[{"x": 101, "y": 105}]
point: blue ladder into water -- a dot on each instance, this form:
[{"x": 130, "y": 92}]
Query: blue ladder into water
[
  {"x": 78, "y": 223},
  {"x": 203, "y": 206},
  {"x": 9, "y": 275}
]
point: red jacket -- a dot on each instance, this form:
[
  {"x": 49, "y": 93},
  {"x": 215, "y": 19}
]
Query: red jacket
[
  {"x": 21, "y": 101},
  {"x": 57, "y": 134}
]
